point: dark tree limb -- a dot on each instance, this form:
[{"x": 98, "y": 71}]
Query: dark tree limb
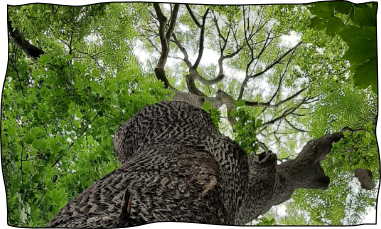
[
  {"x": 284, "y": 114},
  {"x": 275, "y": 62},
  {"x": 300, "y": 130},
  {"x": 201, "y": 46},
  {"x": 18, "y": 38},
  {"x": 18, "y": 77},
  {"x": 183, "y": 50},
  {"x": 164, "y": 36},
  {"x": 192, "y": 16},
  {"x": 260, "y": 104},
  {"x": 280, "y": 80},
  {"x": 365, "y": 177}
]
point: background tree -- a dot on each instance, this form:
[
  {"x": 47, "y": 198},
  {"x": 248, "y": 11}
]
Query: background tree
[{"x": 73, "y": 78}]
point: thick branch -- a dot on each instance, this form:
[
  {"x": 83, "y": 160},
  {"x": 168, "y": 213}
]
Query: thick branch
[
  {"x": 195, "y": 76},
  {"x": 201, "y": 48},
  {"x": 183, "y": 50},
  {"x": 164, "y": 37},
  {"x": 173, "y": 22},
  {"x": 192, "y": 16},
  {"x": 18, "y": 38}
]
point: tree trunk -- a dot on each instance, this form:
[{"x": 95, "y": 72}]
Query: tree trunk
[{"x": 176, "y": 166}]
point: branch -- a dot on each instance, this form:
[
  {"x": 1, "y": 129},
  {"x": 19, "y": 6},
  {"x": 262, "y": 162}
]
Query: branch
[
  {"x": 280, "y": 80},
  {"x": 183, "y": 50},
  {"x": 18, "y": 76},
  {"x": 284, "y": 115},
  {"x": 18, "y": 38},
  {"x": 163, "y": 40},
  {"x": 195, "y": 76},
  {"x": 201, "y": 48},
  {"x": 173, "y": 22},
  {"x": 192, "y": 16},
  {"x": 260, "y": 104},
  {"x": 275, "y": 62},
  {"x": 295, "y": 127}
]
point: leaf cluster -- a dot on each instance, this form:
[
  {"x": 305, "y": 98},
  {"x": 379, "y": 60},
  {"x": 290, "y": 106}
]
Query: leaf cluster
[
  {"x": 245, "y": 128},
  {"x": 356, "y": 25}
]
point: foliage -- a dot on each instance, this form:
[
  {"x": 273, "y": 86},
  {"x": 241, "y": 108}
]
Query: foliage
[
  {"x": 357, "y": 150},
  {"x": 245, "y": 129},
  {"x": 267, "y": 221},
  {"x": 213, "y": 112},
  {"x": 356, "y": 25},
  {"x": 59, "y": 114}
]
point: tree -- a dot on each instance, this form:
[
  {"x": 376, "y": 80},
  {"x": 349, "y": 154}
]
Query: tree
[{"x": 73, "y": 79}]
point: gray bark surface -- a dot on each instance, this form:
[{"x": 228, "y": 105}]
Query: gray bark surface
[{"x": 178, "y": 167}]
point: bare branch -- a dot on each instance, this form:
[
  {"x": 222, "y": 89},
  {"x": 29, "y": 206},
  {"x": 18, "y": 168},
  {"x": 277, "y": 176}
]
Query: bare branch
[
  {"x": 204, "y": 81},
  {"x": 276, "y": 62},
  {"x": 183, "y": 50},
  {"x": 294, "y": 126},
  {"x": 173, "y": 22},
  {"x": 280, "y": 80},
  {"x": 18, "y": 76},
  {"x": 284, "y": 115},
  {"x": 201, "y": 48},
  {"x": 162, "y": 35},
  {"x": 192, "y": 16}
]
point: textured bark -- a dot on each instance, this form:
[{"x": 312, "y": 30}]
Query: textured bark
[
  {"x": 366, "y": 178},
  {"x": 176, "y": 166}
]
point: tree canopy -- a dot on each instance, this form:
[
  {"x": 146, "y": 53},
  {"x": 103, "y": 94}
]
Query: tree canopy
[{"x": 272, "y": 77}]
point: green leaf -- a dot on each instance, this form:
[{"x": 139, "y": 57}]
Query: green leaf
[
  {"x": 322, "y": 9},
  {"x": 351, "y": 33},
  {"x": 119, "y": 75},
  {"x": 40, "y": 145},
  {"x": 68, "y": 57},
  {"x": 239, "y": 103},
  {"x": 364, "y": 16},
  {"x": 95, "y": 73},
  {"x": 361, "y": 50},
  {"x": 346, "y": 134},
  {"x": 38, "y": 132},
  {"x": 258, "y": 123},
  {"x": 368, "y": 135},
  {"x": 333, "y": 25},
  {"x": 343, "y": 7},
  {"x": 207, "y": 105},
  {"x": 36, "y": 178},
  {"x": 370, "y": 32},
  {"x": 11, "y": 131},
  {"x": 366, "y": 75},
  {"x": 113, "y": 88},
  {"x": 366, "y": 140},
  {"x": 41, "y": 113},
  {"x": 80, "y": 84},
  {"x": 233, "y": 112},
  {"x": 54, "y": 144},
  {"x": 23, "y": 216},
  {"x": 29, "y": 138}
]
